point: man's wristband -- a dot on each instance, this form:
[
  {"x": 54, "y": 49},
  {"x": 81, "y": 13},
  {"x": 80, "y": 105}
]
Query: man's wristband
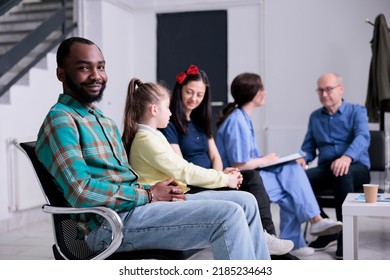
[{"x": 150, "y": 195}]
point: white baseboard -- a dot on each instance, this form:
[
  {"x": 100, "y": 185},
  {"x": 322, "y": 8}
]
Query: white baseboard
[{"x": 22, "y": 218}]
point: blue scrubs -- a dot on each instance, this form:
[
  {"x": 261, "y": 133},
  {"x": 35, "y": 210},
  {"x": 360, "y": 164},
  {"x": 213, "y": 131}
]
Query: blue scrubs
[{"x": 287, "y": 184}]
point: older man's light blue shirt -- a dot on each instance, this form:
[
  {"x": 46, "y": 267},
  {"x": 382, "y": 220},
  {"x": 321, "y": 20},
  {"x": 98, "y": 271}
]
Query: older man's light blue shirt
[{"x": 344, "y": 133}]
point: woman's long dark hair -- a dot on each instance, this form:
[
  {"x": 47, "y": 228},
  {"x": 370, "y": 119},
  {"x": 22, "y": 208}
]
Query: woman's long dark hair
[
  {"x": 201, "y": 115},
  {"x": 244, "y": 88}
]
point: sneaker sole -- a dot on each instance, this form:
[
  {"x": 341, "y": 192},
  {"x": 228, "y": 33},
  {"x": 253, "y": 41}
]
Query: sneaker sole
[
  {"x": 330, "y": 244},
  {"x": 301, "y": 255},
  {"x": 279, "y": 253},
  {"x": 332, "y": 230}
]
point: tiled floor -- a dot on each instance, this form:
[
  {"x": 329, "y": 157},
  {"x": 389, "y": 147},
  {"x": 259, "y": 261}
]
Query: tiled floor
[{"x": 34, "y": 242}]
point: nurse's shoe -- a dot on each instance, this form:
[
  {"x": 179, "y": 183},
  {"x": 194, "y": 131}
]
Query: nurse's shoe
[
  {"x": 325, "y": 227},
  {"x": 303, "y": 252}
]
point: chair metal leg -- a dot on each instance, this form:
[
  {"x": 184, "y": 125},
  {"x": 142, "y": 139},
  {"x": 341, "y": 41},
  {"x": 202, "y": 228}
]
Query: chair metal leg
[
  {"x": 387, "y": 165},
  {"x": 305, "y": 231}
]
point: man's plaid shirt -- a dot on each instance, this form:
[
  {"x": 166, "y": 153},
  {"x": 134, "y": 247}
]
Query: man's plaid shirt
[{"x": 83, "y": 151}]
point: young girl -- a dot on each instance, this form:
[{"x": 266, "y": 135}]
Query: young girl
[
  {"x": 286, "y": 184},
  {"x": 147, "y": 109},
  {"x": 189, "y": 133}
]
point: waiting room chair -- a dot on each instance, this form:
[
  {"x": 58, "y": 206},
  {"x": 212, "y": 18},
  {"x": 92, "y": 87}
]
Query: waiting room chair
[
  {"x": 68, "y": 245},
  {"x": 379, "y": 152}
]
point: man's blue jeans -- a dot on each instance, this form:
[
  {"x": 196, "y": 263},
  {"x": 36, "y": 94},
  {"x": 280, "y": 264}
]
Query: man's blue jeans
[{"x": 228, "y": 221}]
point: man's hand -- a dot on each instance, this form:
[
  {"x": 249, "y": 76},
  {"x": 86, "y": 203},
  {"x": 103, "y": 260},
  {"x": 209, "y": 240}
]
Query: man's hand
[
  {"x": 302, "y": 163},
  {"x": 341, "y": 165},
  {"x": 167, "y": 190}
]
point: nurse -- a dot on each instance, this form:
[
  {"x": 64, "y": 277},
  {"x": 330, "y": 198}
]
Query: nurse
[{"x": 286, "y": 184}]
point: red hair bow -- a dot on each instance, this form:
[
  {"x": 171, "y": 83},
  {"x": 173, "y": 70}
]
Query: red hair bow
[{"x": 192, "y": 70}]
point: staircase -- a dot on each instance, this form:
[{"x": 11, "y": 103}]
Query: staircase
[{"x": 28, "y": 31}]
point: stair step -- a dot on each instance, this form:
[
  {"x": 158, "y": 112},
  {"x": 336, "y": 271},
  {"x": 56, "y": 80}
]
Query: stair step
[
  {"x": 24, "y": 80},
  {"x": 39, "y": 6},
  {"x": 15, "y": 38},
  {"x": 12, "y": 37},
  {"x": 14, "y": 18},
  {"x": 19, "y": 26},
  {"x": 24, "y": 26},
  {"x": 5, "y": 47},
  {"x": 10, "y": 75},
  {"x": 7, "y": 77},
  {"x": 5, "y": 99}
]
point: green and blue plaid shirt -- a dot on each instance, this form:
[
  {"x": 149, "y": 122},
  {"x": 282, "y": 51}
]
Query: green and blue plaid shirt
[{"x": 83, "y": 151}]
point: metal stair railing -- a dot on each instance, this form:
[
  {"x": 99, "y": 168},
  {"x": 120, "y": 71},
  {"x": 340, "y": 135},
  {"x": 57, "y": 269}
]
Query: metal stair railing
[
  {"x": 26, "y": 45},
  {"x": 5, "y": 6}
]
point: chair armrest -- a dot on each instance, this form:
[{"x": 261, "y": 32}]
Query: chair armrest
[{"x": 110, "y": 215}]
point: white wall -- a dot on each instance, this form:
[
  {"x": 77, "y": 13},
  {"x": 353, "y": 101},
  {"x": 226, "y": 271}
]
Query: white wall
[
  {"x": 290, "y": 43},
  {"x": 21, "y": 120},
  {"x": 303, "y": 40}
]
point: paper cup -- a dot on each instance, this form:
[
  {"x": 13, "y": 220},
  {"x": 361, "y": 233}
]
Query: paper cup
[{"x": 370, "y": 192}]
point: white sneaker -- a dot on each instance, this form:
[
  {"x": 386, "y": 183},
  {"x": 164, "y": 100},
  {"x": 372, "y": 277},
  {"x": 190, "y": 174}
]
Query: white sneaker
[
  {"x": 303, "y": 252},
  {"x": 325, "y": 227},
  {"x": 277, "y": 246}
]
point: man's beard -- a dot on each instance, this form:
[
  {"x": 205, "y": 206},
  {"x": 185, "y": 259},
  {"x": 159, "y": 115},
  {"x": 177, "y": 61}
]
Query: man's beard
[{"x": 85, "y": 96}]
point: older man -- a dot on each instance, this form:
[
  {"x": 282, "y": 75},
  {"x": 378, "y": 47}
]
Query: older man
[{"x": 339, "y": 132}]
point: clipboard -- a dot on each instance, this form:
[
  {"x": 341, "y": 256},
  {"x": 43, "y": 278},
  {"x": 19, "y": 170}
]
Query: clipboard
[{"x": 285, "y": 159}]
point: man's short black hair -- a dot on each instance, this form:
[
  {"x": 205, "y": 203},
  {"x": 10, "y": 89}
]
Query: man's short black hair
[{"x": 64, "y": 49}]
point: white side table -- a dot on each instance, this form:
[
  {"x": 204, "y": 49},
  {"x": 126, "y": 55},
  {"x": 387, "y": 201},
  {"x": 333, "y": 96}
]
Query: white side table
[{"x": 352, "y": 209}]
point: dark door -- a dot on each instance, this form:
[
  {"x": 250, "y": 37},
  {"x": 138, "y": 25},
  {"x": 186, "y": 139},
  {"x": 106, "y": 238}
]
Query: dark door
[{"x": 198, "y": 38}]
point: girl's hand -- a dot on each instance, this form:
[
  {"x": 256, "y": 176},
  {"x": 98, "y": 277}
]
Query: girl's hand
[{"x": 234, "y": 180}]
